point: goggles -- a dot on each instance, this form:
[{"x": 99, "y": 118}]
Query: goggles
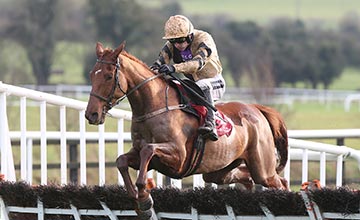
[{"x": 179, "y": 40}]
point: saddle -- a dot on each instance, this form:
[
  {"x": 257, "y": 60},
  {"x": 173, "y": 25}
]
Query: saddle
[{"x": 194, "y": 105}]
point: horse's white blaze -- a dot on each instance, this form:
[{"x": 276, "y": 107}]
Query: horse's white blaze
[{"x": 97, "y": 71}]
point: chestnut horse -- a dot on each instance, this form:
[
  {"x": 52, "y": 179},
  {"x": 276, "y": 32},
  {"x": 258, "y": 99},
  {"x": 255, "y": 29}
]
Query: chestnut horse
[{"x": 163, "y": 134}]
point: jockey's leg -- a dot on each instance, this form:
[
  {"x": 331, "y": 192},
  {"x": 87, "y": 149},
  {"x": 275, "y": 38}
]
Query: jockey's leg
[
  {"x": 213, "y": 89},
  {"x": 209, "y": 129}
]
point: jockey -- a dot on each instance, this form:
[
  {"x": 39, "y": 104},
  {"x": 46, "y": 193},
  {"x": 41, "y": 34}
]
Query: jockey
[{"x": 194, "y": 54}]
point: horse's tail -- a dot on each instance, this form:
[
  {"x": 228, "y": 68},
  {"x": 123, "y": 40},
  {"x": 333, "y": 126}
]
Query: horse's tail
[{"x": 279, "y": 131}]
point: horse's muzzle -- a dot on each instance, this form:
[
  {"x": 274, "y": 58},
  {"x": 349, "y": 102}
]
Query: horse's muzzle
[{"x": 94, "y": 118}]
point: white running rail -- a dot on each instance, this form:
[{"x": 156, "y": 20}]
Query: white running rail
[
  {"x": 302, "y": 150},
  {"x": 349, "y": 99},
  {"x": 26, "y": 137}
]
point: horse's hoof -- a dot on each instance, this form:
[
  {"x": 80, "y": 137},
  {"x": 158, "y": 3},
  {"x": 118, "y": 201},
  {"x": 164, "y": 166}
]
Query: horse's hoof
[{"x": 146, "y": 204}]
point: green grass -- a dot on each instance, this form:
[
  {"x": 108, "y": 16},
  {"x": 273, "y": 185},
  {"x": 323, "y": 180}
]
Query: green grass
[
  {"x": 348, "y": 80},
  {"x": 263, "y": 11},
  {"x": 315, "y": 115}
]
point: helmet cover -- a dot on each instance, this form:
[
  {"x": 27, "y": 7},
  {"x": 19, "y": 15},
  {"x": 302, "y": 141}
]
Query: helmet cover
[{"x": 177, "y": 26}]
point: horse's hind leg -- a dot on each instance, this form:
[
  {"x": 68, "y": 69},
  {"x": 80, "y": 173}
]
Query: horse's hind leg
[
  {"x": 245, "y": 177},
  {"x": 277, "y": 182},
  {"x": 231, "y": 175},
  {"x": 264, "y": 172}
]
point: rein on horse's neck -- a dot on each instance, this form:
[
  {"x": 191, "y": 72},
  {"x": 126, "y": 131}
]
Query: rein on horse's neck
[
  {"x": 137, "y": 86},
  {"x": 164, "y": 87}
]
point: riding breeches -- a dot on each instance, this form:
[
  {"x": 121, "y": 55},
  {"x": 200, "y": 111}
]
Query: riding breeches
[{"x": 216, "y": 85}]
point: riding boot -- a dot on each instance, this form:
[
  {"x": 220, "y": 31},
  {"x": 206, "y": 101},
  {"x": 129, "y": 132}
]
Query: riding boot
[{"x": 208, "y": 130}]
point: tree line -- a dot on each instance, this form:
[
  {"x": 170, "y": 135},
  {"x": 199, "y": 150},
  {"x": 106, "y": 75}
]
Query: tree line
[{"x": 283, "y": 51}]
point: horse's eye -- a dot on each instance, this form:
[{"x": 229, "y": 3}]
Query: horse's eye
[{"x": 108, "y": 77}]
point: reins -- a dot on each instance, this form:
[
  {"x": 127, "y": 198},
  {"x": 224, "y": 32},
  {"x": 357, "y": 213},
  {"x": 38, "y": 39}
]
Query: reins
[{"x": 108, "y": 100}]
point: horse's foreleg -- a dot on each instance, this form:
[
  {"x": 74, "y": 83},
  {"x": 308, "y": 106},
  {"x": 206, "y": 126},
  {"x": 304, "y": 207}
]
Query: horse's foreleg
[
  {"x": 167, "y": 155},
  {"x": 146, "y": 153},
  {"x": 123, "y": 162}
]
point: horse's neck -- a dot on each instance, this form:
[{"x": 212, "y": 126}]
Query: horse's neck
[{"x": 150, "y": 95}]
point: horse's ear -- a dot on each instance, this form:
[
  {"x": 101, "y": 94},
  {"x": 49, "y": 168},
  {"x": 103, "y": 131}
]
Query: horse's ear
[
  {"x": 99, "y": 49},
  {"x": 123, "y": 44},
  {"x": 119, "y": 49}
]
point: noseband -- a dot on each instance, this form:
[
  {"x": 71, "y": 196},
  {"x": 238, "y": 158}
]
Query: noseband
[{"x": 111, "y": 96}]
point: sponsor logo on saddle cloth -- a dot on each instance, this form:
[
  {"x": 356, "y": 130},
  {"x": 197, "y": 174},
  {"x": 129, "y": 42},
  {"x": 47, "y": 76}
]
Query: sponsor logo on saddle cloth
[{"x": 223, "y": 123}]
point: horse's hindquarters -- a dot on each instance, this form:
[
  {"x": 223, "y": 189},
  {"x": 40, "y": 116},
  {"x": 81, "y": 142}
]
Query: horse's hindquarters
[{"x": 253, "y": 140}]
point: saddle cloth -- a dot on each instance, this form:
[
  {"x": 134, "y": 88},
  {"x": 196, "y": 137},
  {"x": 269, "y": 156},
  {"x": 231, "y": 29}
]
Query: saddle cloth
[{"x": 223, "y": 123}]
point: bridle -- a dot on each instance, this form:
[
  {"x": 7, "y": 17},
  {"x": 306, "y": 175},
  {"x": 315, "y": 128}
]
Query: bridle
[{"x": 108, "y": 100}]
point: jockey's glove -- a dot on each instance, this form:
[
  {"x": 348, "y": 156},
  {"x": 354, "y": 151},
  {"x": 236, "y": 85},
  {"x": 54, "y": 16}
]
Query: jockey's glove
[
  {"x": 155, "y": 66},
  {"x": 166, "y": 69}
]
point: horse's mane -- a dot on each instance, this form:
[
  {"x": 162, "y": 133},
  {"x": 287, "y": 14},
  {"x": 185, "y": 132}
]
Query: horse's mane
[
  {"x": 133, "y": 58},
  {"x": 128, "y": 55}
]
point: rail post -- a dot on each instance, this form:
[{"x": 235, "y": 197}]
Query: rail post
[
  {"x": 73, "y": 162},
  {"x": 341, "y": 142}
]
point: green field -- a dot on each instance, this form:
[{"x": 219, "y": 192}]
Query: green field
[
  {"x": 348, "y": 80},
  {"x": 326, "y": 12},
  {"x": 314, "y": 115}
]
